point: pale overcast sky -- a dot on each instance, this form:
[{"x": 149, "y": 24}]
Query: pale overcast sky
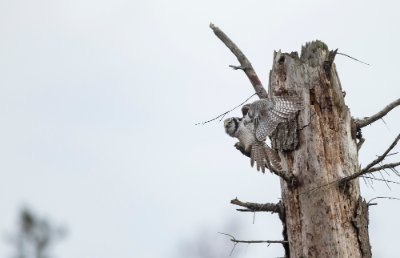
[{"x": 99, "y": 100}]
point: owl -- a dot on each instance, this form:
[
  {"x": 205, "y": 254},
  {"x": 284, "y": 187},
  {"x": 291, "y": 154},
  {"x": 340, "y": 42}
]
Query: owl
[
  {"x": 266, "y": 114},
  {"x": 260, "y": 152}
]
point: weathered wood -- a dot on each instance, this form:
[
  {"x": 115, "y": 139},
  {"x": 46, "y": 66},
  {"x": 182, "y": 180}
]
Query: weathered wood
[
  {"x": 245, "y": 64},
  {"x": 360, "y": 222},
  {"x": 323, "y": 214},
  {"x": 318, "y": 148}
]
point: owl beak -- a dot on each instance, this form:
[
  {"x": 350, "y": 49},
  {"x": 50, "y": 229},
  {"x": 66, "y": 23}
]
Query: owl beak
[{"x": 226, "y": 122}]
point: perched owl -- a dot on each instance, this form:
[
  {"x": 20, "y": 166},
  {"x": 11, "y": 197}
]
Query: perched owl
[
  {"x": 266, "y": 114},
  {"x": 260, "y": 152}
]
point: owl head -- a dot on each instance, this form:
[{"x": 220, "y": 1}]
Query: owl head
[
  {"x": 248, "y": 113},
  {"x": 231, "y": 125}
]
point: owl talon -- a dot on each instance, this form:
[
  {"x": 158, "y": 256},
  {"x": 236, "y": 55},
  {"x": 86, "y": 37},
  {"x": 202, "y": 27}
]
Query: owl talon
[{"x": 238, "y": 146}]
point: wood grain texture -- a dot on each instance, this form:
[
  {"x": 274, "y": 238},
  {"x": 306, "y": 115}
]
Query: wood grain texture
[{"x": 318, "y": 148}]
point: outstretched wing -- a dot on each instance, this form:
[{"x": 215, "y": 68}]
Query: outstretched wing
[
  {"x": 287, "y": 105},
  {"x": 275, "y": 110},
  {"x": 265, "y": 127}
]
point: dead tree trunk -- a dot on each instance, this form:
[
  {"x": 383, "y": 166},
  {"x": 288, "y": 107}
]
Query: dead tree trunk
[
  {"x": 320, "y": 149},
  {"x": 322, "y": 212}
]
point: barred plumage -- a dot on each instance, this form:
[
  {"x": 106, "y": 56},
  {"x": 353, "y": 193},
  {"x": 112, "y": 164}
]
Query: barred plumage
[
  {"x": 260, "y": 153},
  {"x": 266, "y": 114}
]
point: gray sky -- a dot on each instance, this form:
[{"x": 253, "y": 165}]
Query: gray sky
[{"x": 99, "y": 100}]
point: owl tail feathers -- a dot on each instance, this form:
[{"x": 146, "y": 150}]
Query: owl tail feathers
[
  {"x": 257, "y": 156},
  {"x": 263, "y": 156},
  {"x": 273, "y": 157}
]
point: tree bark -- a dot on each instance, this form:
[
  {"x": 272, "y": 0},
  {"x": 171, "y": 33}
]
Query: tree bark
[{"x": 322, "y": 218}]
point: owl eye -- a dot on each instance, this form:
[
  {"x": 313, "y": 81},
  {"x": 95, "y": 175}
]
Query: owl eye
[{"x": 228, "y": 122}]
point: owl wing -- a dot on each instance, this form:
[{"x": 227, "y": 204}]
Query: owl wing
[
  {"x": 265, "y": 127},
  {"x": 280, "y": 109},
  {"x": 287, "y": 105}
]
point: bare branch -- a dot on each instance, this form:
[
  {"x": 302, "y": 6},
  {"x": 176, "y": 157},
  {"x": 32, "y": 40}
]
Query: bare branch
[
  {"x": 383, "y": 180},
  {"x": 386, "y": 166},
  {"x": 260, "y": 241},
  {"x": 245, "y": 64},
  {"x": 375, "y": 169},
  {"x": 355, "y": 59},
  {"x": 234, "y": 67},
  {"x": 382, "y": 157},
  {"x": 233, "y": 239},
  {"x": 392, "y": 154},
  {"x": 245, "y": 210},
  {"x": 253, "y": 207},
  {"x": 369, "y": 168},
  {"x": 289, "y": 177},
  {"x": 382, "y": 197},
  {"x": 225, "y": 113},
  {"x": 360, "y": 123}
]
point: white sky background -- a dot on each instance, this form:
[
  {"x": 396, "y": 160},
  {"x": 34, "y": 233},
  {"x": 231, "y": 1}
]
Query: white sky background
[{"x": 99, "y": 100}]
